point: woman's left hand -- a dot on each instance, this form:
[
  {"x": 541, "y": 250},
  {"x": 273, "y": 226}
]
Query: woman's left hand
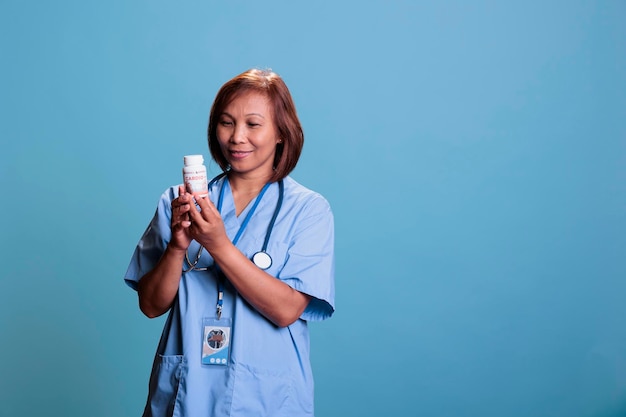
[{"x": 207, "y": 227}]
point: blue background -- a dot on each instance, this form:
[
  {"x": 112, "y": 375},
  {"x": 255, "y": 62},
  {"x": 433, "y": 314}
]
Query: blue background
[{"x": 474, "y": 154}]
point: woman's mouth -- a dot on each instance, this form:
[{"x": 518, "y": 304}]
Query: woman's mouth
[{"x": 239, "y": 154}]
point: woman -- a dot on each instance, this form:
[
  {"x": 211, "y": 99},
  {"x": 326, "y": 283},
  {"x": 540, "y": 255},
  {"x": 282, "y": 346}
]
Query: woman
[{"x": 236, "y": 342}]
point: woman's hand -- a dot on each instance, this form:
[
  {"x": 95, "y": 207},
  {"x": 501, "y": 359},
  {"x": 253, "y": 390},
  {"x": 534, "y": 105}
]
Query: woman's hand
[
  {"x": 206, "y": 226},
  {"x": 181, "y": 206},
  {"x": 158, "y": 288}
]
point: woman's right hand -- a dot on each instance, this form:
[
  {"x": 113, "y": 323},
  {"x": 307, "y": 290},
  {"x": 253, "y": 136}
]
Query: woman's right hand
[
  {"x": 181, "y": 237},
  {"x": 158, "y": 288}
]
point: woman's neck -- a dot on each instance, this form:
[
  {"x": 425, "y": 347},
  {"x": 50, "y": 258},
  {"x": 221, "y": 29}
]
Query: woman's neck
[{"x": 245, "y": 190}]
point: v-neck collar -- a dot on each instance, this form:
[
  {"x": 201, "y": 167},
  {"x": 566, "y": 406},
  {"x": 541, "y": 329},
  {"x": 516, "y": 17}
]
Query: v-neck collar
[{"x": 232, "y": 222}]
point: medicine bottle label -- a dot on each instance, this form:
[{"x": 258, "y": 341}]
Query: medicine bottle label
[{"x": 196, "y": 182}]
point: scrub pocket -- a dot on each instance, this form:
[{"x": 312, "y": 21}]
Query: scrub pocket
[
  {"x": 167, "y": 386},
  {"x": 264, "y": 392}
]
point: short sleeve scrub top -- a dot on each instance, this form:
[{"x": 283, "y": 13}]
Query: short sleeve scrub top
[{"x": 268, "y": 371}]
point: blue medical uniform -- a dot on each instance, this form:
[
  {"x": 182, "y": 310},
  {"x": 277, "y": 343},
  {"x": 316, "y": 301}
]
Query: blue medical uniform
[{"x": 269, "y": 372}]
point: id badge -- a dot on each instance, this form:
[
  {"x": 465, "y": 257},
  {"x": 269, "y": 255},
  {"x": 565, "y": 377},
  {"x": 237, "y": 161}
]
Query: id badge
[{"x": 216, "y": 341}]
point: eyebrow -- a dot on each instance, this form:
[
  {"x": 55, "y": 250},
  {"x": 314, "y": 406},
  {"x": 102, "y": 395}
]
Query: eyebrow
[{"x": 248, "y": 114}]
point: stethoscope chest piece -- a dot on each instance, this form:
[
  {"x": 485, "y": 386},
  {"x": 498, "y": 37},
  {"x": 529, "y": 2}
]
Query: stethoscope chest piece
[{"x": 262, "y": 259}]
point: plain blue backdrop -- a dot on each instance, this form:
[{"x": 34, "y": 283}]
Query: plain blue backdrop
[{"x": 474, "y": 154}]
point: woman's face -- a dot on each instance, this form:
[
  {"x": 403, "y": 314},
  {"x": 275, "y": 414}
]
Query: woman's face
[{"x": 247, "y": 135}]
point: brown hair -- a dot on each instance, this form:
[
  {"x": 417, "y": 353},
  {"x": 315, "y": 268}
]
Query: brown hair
[{"x": 284, "y": 114}]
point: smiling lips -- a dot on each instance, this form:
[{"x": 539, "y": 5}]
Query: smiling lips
[{"x": 239, "y": 154}]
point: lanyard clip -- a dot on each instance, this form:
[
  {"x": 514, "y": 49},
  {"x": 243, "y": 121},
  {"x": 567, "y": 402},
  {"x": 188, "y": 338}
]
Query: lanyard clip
[{"x": 220, "y": 302}]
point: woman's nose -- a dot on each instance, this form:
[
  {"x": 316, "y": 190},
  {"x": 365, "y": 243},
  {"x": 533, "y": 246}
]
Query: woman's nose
[{"x": 239, "y": 134}]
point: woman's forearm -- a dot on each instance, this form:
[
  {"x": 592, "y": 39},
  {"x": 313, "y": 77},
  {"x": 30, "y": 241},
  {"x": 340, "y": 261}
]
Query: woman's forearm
[
  {"x": 158, "y": 288},
  {"x": 274, "y": 299}
]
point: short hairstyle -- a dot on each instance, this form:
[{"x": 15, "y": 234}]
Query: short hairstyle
[{"x": 284, "y": 115}]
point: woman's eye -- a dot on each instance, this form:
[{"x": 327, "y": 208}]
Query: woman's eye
[
  {"x": 251, "y": 124},
  {"x": 226, "y": 122}
]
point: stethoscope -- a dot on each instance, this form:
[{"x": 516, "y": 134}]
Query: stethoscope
[{"x": 261, "y": 258}]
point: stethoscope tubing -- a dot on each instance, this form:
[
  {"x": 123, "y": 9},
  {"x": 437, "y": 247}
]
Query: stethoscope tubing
[{"x": 258, "y": 256}]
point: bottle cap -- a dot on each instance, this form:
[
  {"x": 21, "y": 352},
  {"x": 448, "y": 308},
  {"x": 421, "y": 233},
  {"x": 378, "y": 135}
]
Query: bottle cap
[{"x": 193, "y": 160}]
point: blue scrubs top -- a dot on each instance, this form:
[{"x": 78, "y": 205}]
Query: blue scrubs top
[{"x": 269, "y": 372}]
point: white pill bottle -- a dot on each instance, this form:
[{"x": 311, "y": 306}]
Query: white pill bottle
[{"x": 194, "y": 176}]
